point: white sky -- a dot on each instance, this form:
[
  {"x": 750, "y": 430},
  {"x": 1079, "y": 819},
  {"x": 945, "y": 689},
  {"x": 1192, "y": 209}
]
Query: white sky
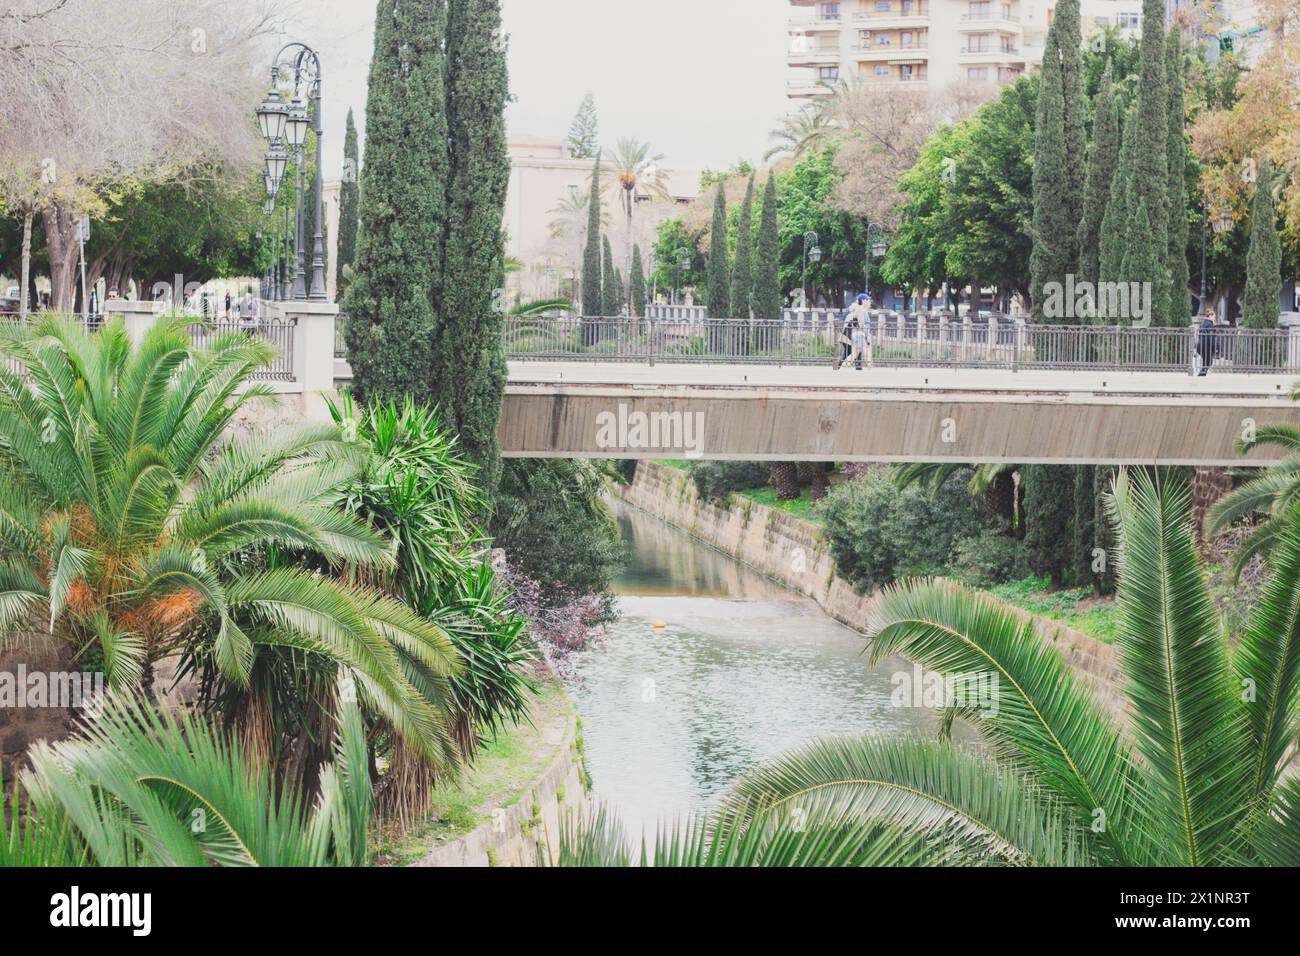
[{"x": 702, "y": 80}]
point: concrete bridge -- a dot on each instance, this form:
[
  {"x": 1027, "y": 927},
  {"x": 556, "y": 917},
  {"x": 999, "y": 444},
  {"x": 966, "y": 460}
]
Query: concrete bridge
[{"x": 811, "y": 413}]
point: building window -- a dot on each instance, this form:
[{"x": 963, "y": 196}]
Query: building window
[
  {"x": 828, "y": 73},
  {"x": 905, "y": 72},
  {"x": 882, "y": 40},
  {"x": 907, "y": 38},
  {"x": 830, "y": 11},
  {"x": 882, "y": 6},
  {"x": 1129, "y": 21},
  {"x": 864, "y": 37},
  {"x": 977, "y": 74},
  {"x": 882, "y": 71},
  {"x": 909, "y": 7},
  {"x": 978, "y": 43},
  {"x": 978, "y": 11},
  {"x": 1102, "y": 22}
]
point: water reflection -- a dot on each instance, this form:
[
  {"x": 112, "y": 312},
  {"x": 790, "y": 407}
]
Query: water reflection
[{"x": 740, "y": 671}]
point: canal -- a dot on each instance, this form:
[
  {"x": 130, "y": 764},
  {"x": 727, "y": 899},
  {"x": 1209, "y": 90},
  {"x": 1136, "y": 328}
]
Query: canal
[{"x": 738, "y": 671}]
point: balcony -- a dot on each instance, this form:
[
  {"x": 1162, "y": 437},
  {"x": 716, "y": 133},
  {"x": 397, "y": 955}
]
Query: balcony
[
  {"x": 815, "y": 56},
  {"x": 814, "y": 24},
  {"x": 918, "y": 14},
  {"x": 984, "y": 22},
  {"x": 810, "y": 88},
  {"x": 997, "y": 54},
  {"x": 913, "y": 51},
  {"x": 894, "y": 84}
]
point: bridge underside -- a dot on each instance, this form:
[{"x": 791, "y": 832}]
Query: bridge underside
[{"x": 1050, "y": 421}]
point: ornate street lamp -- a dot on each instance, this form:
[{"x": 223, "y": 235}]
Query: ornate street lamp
[
  {"x": 812, "y": 252},
  {"x": 271, "y": 116},
  {"x": 296, "y": 75},
  {"x": 277, "y": 160},
  {"x": 876, "y": 248}
]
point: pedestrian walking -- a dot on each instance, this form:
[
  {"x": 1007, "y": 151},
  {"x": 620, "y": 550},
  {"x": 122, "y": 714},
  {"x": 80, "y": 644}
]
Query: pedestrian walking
[
  {"x": 248, "y": 310},
  {"x": 1206, "y": 342}
]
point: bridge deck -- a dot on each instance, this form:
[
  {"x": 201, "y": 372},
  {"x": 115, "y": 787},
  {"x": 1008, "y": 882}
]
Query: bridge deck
[
  {"x": 946, "y": 380},
  {"x": 895, "y": 414}
]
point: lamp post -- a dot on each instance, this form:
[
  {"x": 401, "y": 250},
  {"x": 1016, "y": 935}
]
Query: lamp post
[
  {"x": 1221, "y": 224},
  {"x": 811, "y": 252},
  {"x": 296, "y": 70},
  {"x": 876, "y": 248},
  {"x": 683, "y": 265}
]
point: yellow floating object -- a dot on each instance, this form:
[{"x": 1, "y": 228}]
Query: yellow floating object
[{"x": 659, "y": 624}]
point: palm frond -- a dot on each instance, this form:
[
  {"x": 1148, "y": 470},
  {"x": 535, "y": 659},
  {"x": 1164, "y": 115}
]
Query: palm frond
[{"x": 1190, "y": 733}]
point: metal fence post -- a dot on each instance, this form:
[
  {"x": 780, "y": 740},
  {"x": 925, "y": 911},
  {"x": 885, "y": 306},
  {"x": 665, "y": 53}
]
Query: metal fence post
[{"x": 654, "y": 340}]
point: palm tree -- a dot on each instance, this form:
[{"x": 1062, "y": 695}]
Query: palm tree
[
  {"x": 417, "y": 489},
  {"x": 635, "y": 170},
  {"x": 132, "y": 531},
  {"x": 139, "y": 787},
  {"x": 1272, "y": 494},
  {"x": 1197, "y": 779},
  {"x": 995, "y": 483},
  {"x": 806, "y": 130}
]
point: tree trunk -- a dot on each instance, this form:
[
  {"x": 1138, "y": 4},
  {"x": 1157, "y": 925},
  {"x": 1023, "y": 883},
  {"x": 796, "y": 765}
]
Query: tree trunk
[
  {"x": 61, "y": 240},
  {"x": 1208, "y": 486},
  {"x": 785, "y": 479},
  {"x": 29, "y": 213}
]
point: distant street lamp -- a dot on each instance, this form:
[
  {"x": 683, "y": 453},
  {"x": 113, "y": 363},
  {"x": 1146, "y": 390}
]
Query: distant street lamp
[
  {"x": 285, "y": 126},
  {"x": 811, "y": 252},
  {"x": 876, "y": 248},
  {"x": 1221, "y": 224},
  {"x": 683, "y": 265}
]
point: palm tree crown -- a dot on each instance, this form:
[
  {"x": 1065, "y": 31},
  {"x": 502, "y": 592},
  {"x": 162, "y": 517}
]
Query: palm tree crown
[{"x": 131, "y": 530}]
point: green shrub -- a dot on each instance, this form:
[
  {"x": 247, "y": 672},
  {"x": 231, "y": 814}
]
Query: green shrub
[
  {"x": 990, "y": 558},
  {"x": 878, "y": 533},
  {"x": 716, "y": 479}
]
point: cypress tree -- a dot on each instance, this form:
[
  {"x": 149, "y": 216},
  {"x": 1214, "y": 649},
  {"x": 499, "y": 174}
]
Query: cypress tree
[
  {"x": 1261, "y": 304},
  {"x": 1085, "y": 531},
  {"x": 610, "y": 305},
  {"x": 742, "y": 275},
  {"x": 349, "y": 199},
  {"x": 1151, "y": 168},
  {"x": 766, "y": 300},
  {"x": 593, "y": 301},
  {"x": 1069, "y": 40},
  {"x": 1144, "y": 258},
  {"x": 1102, "y": 161},
  {"x": 719, "y": 260},
  {"x": 1179, "y": 273},
  {"x": 1053, "y": 229},
  {"x": 469, "y": 369},
  {"x": 1049, "y": 512},
  {"x": 1114, "y": 225},
  {"x": 638, "y": 283},
  {"x": 403, "y": 204}
]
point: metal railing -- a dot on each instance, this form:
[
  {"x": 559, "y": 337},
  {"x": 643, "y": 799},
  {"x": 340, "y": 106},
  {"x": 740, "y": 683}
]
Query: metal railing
[
  {"x": 279, "y": 333},
  {"x": 903, "y": 339}
]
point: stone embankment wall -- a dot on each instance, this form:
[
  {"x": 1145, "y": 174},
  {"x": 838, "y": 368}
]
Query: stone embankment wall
[
  {"x": 527, "y": 832},
  {"x": 794, "y": 553}
]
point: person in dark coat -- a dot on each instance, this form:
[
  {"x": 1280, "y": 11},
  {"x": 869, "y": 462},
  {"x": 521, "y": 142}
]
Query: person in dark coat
[{"x": 1206, "y": 341}]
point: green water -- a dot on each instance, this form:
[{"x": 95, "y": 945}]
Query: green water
[{"x": 741, "y": 671}]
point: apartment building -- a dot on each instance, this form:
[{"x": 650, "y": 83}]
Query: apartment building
[
  {"x": 928, "y": 44},
  {"x": 911, "y": 44}
]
